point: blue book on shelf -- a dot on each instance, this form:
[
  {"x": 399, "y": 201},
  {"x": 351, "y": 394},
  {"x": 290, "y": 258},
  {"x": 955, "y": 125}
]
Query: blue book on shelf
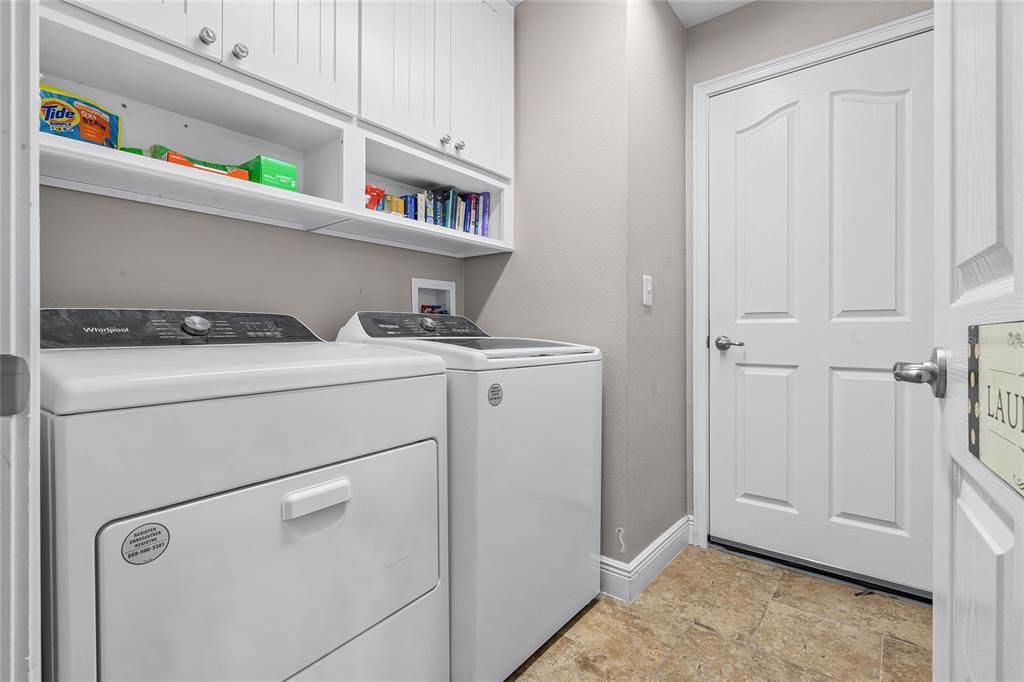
[
  {"x": 444, "y": 211},
  {"x": 428, "y": 209},
  {"x": 451, "y": 209},
  {"x": 485, "y": 211}
]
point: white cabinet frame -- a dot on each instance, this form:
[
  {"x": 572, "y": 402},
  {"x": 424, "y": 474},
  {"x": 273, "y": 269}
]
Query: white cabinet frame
[{"x": 20, "y": 565}]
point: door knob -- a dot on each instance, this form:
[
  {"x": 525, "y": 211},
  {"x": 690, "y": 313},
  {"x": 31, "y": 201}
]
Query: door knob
[
  {"x": 240, "y": 50},
  {"x": 460, "y": 145},
  {"x": 207, "y": 35},
  {"x": 725, "y": 343},
  {"x": 447, "y": 139},
  {"x": 932, "y": 372},
  {"x": 14, "y": 385}
]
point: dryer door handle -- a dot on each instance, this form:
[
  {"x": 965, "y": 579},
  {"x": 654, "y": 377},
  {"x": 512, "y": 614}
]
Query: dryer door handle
[{"x": 314, "y": 498}]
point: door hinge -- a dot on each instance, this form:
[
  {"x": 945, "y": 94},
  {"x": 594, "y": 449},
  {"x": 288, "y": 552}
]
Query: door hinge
[{"x": 14, "y": 385}]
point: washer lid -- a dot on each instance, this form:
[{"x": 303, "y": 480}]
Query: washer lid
[
  {"x": 462, "y": 344},
  {"x": 89, "y": 380},
  {"x": 489, "y": 353}
]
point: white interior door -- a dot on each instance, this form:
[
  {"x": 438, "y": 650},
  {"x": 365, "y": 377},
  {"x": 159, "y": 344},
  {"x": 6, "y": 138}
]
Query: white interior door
[
  {"x": 820, "y": 263},
  {"x": 19, "y": 342},
  {"x": 979, "y": 519}
]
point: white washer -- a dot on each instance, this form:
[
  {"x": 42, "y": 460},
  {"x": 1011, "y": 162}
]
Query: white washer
[
  {"x": 229, "y": 497},
  {"x": 524, "y": 428}
]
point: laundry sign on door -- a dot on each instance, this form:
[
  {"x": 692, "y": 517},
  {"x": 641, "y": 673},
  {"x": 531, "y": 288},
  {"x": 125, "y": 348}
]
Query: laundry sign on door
[{"x": 995, "y": 381}]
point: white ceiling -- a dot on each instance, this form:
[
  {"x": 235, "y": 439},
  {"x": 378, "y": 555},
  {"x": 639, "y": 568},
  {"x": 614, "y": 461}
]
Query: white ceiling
[{"x": 692, "y": 12}]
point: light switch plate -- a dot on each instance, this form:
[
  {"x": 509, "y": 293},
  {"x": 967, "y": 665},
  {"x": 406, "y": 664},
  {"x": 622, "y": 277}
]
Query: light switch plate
[{"x": 648, "y": 290}]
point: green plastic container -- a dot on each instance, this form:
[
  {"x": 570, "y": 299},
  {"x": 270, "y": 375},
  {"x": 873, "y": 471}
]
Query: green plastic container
[{"x": 272, "y": 173}]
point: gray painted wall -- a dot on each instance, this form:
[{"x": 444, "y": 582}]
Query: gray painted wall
[
  {"x": 599, "y": 172},
  {"x": 103, "y": 252},
  {"x": 656, "y": 391},
  {"x": 755, "y": 33}
]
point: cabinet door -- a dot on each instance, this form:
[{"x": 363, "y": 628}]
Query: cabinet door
[
  {"x": 482, "y": 87},
  {"x": 309, "y": 47},
  {"x": 406, "y": 67},
  {"x": 178, "y": 21}
]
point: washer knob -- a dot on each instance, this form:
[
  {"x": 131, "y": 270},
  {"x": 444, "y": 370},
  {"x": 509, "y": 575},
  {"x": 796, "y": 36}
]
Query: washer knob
[
  {"x": 428, "y": 324},
  {"x": 196, "y": 325}
]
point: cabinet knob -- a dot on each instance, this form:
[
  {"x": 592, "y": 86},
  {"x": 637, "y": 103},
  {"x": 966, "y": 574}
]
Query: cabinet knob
[
  {"x": 207, "y": 35},
  {"x": 240, "y": 50},
  {"x": 447, "y": 139},
  {"x": 460, "y": 145}
]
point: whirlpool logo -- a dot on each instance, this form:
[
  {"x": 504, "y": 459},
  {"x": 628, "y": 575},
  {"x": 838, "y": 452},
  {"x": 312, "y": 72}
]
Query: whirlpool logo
[{"x": 105, "y": 330}]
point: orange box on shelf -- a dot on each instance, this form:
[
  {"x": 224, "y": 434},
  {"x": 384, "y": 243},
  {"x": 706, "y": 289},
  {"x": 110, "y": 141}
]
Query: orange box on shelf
[{"x": 182, "y": 160}]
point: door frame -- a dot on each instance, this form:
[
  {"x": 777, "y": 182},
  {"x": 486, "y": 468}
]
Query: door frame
[
  {"x": 906, "y": 27},
  {"x": 20, "y": 577}
]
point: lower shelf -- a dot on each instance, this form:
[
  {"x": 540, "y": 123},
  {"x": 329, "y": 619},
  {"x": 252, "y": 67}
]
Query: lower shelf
[
  {"x": 383, "y": 228},
  {"x": 90, "y": 168}
]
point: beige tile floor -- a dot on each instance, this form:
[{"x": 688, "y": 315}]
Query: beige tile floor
[{"x": 713, "y": 615}]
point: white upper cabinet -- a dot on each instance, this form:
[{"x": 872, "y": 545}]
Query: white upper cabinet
[
  {"x": 482, "y": 87},
  {"x": 196, "y": 24},
  {"x": 406, "y": 68},
  {"x": 309, "y": 47},
  {"x": 440, "y": 73}
]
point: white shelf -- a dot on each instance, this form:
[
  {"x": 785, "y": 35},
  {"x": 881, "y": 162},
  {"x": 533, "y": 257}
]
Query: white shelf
[
  {"x": 90, "y": 168},
  {"x": 384, "y": 228}
]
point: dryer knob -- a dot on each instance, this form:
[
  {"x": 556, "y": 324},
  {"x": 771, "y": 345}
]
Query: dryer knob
[
  {"x": 428, "y": 324},
  {"x": 196, "y": 325}
]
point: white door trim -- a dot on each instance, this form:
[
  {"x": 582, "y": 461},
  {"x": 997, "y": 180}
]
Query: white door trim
[
  {"x": 20, "y": 652},
  {"x": 702, "y": 93}
]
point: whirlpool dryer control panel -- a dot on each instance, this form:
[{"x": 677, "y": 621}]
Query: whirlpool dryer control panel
[
  {"x": 120, "y": 328},
  {"x": 380, "y": 325}
]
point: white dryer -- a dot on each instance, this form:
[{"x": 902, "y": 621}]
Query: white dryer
[
  {"x": 524, "y": 435},
  {"x": 229, "y": 497}
]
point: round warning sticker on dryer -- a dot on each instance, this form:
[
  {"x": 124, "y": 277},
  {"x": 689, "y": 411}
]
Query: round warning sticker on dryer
[
  {"x": 145, "y": 543},
  {"x": 495, "y": 394}
]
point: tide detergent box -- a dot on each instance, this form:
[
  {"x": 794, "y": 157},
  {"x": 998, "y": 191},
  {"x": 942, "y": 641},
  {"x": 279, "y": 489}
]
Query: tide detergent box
[{"x": 62, "y": 113}]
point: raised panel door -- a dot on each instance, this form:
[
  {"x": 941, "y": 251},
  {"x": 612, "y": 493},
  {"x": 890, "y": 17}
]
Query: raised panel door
[{"x": 820, "y": 201}]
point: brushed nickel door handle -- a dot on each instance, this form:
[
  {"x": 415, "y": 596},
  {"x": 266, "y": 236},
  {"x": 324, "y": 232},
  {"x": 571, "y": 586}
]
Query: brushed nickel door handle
[
  {"x": 931, "y": 372},
  {"x": 725, "y": 343}
]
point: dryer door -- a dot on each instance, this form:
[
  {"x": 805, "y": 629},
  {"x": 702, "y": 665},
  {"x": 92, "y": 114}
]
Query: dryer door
[{"x": 260, "y": 582}]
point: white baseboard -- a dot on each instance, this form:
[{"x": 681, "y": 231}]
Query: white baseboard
[{"x": 626, "y": 581}]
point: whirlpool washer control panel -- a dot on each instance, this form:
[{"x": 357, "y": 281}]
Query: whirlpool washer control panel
[
  {"x": 119, "y": 328},
  {"x": 417, "y": 325}
]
